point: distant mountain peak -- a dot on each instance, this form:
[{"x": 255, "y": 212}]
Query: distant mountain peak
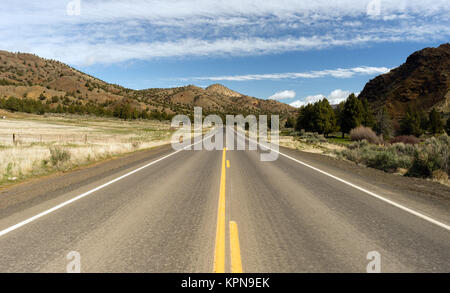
[{"x": 222, "y": 90}]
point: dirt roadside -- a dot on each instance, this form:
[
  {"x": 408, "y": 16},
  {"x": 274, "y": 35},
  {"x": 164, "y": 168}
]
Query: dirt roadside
[{"x": 408, "y": 185}]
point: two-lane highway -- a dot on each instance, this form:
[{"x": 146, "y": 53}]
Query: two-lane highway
[{"x": 201, "y": 211}]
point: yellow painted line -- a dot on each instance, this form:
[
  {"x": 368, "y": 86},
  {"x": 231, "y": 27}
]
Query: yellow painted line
[
  {"x": 228, "y": 163},
  {"x": 219, "y": 255},
  {"x": 235, "y": 249}
]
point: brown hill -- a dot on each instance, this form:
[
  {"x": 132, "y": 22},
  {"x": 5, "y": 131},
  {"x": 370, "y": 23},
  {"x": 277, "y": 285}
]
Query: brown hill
[
  {"x": 212, "y": 100},
  {"x": 27, "y": 75},
  {"x": 424, "y": 80},
  {"x": 220, "y": 89}
]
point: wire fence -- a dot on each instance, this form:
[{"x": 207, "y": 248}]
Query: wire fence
[{"x": 18, "y": 139}]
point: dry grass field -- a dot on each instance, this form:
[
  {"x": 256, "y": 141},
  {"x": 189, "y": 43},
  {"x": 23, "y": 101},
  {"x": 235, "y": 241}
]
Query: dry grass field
[{"x": 32, "y": 145}]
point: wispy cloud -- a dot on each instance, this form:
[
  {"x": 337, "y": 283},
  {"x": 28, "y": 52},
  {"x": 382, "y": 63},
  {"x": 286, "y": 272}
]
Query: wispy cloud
[
  {"x": 117, "y": 31},
  {"x": 287, "y": 94},
  {"x": 336, "y": 73},
  {"x": 167, "y": 11}
]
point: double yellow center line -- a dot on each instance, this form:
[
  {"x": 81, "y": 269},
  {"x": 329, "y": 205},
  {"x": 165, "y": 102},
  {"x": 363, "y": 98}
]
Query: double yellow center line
[{"x": 235, "y": 252}]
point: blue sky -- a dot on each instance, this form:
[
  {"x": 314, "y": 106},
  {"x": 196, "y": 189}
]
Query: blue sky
[{"x": 290, "y": 50}]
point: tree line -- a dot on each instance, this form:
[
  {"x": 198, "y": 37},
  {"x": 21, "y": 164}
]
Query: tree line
[
  {"x": 417, "y": 122},
  {"x": 123, "y": 111},
  {"x": 320, "y": 117}
]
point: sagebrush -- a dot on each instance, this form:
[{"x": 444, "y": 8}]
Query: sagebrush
[{"x": 420, "y": 160}]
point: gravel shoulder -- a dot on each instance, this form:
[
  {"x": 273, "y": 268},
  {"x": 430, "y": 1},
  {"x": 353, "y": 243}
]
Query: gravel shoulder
[{"x": 426, "y": 196}]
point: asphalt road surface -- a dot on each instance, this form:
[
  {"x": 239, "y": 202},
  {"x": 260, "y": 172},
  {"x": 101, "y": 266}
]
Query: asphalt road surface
[{"x": 205, "y": 211}]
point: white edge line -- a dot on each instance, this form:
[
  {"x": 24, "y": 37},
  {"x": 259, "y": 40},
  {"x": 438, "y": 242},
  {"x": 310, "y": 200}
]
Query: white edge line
[
  {"x": 46, "y": 212},
  {"x": 406, "y": 209}
]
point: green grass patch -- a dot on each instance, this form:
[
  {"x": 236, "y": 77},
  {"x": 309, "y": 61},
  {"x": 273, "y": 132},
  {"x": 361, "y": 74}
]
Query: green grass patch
[{"x": 339, "y": 140}]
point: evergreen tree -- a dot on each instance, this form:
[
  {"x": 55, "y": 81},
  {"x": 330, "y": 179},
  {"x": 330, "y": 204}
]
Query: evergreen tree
[
  {"x": 318, "y": 117},
  {"x": 410, "y": 124},
  {"x": 338, "y": 114},
  {"x": 424, "y": 121},
  {"x": 59, "y": 109},
  {"x": 13, "y": 104},
  {"x": 351, "y": 114},
  {"x": 367, "y": 116},
  {"x": 290, "y": 122},
  {"x": 324, "y": 118},
  {"x": 447, "y": 126},
  {"x": 305, "y": 117},
  {"x": 436, "y": 125}
]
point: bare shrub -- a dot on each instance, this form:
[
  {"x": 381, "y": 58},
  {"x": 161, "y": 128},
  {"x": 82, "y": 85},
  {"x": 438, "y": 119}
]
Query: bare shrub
[
  {"x": 406, "y": 139},
  {"x": 313, "y": 137},
  {"x": 59, "y": 155},
  {"x": 440, "y": 176},
  {"x": 358, "y": 144},
  {"x": 365, "y": 133},
  {"x": 352, "y": 155},
  {"x": 403, "y": 149}
]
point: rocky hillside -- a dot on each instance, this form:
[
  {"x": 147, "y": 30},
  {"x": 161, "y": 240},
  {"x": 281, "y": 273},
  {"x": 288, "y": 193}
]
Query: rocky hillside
[
  {"x": 216, "y": 99},
  {"x": 59, "y": 85},
  {"x": 424, "y": 80},
  {"x": 221, "y": 90}
]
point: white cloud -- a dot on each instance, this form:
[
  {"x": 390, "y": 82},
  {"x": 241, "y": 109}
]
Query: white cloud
[
  {"x": 308, "y": 100},
  {"x": 117, "y": 31},
  {"x": 336, "y": 73},
  {"x": 288, "y": 94},
  {"x": 335, "y": 97},
  {"x": 51, "y": 11},
  {"x": 297, "y": 104}
]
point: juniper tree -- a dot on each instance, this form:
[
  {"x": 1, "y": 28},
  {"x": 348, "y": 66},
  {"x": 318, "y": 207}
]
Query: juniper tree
[
  {"x": 351, "y": 114},
  {"x": 435, "y": 121}
]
